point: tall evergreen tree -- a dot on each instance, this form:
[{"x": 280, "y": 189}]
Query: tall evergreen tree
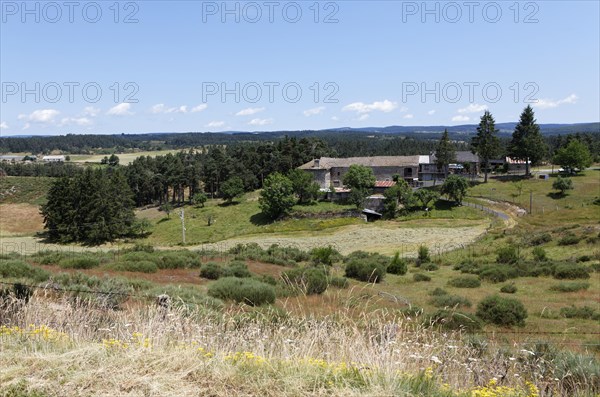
[
  {"x": 445, "y": 153},
  {"x": 486, "y": 143},
  {"x": 527, "y": 143}
]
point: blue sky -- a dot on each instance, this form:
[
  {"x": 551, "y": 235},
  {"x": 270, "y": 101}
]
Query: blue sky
[{"x": 150, "y": 66}]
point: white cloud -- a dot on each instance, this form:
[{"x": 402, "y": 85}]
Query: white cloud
[
  {"x": 335, "y": 118},
  {"x": 460, "y": 118},
  {"x": 260, "y": 122},
  {"x": 362, "y": 108},
  {"x": 122, "y": 109},
  {"x": 26, "y": 126},
  {"x": 431, "y": 112},
  {"x": 404, "y": 109},
  {"x": 473, "y": 108},
  {"x": 363, "y": 117},
  {"x": 3, "y": 126},
  {"x": 408, "y": 116},
  {"x": 44, "y": 116},
  {"x": 215, "y": 124},
  {"x": 161, "y": 108},
  {"x": 81, "y": 121},
  {"x": 314, "y": 111},
  {"x": 199, "y": 108},
  {"x": 249, "y": 111},
  {"x": 548, "y": 104},
  {"x": 91, "y": 111}
]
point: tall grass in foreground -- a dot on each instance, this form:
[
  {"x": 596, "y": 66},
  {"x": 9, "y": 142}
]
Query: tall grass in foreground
[{"x": 63, "y": 348}]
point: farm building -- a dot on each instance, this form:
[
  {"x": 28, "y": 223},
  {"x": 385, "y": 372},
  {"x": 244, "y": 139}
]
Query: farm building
[
  {"x": 467, "y": 164},
  {"x": 53, "y": 159},
  {"x": 329, "y": 171}
]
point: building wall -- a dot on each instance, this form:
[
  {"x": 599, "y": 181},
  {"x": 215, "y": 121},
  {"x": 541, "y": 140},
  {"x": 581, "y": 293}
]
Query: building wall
[
  {"x": 322, "y": 177},
  {"x": 381, "y": 173}
]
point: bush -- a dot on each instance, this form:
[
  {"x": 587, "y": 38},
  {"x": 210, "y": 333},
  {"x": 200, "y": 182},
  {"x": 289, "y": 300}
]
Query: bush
[
  {"x": 465, "y": 282},
  {"x": 418, "y": 277},
  {"x": 246, "y": 290},
  {"x": 308, "y": 280},
  {"x": 584, "y": 312},
  {"x": 397, "y": 265},
  {"x": 584, "y": 258},
  {"x": 82, "y": 262},
  {"x": 507, "y": 255},
  {"x": 497, "y": 273},
  {"x": 423, "y": 255},
  {"x": 134, "y": 266},
  {"x": 369, "y": 269},
  {"x": 182, "y": 259},
  {"x": 325, "y": 256},
  {"x": 539, "y": 239},
  {"x": 430, "y": 267},
  {"x": 509, "y": 288},
  {"x": 502, "y": 311},
  {"x": 20, "y": 269},
  {"x": 455, "y": 320},
  {"x": 571, "y": 272},
  {"x": 438, "y": 292},
  {"x": 237, "y": 269},
  {"x": 211, "y": 271},
  {"x": 339, "y": 282},
  {"x": 570, "y": 286},
  {"x": 539, "y": 254},
  {"x": 450, "y": 301},
  {"x": 569, "y": 239},
  {"x": 468, "y": 267}
]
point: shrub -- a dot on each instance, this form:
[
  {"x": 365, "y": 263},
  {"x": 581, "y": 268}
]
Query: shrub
[
  {"x": 502, "y": 311},
  {"x": 569, "y": 239},
  {"x": 468, "y": 267},
  {"x": 309, "y": 280},
  {"x": 584, "y": 312},
  {"x": 455, "y": 320},
  {"x": 211, "y": 271},
  {"x": 465, "y": 282},
  {"x": 450, "y": 301},
  {"x": 82, "y": 262},
  {"x": 584, "y": 258},
  {"x": 539, "y": 239},
  {"x": 237, "y": 269},
  {"x": 430, "y": 267},
  {"x": 423, "y": 254},
  {"x": 438, "y": 292},
  {"x": 246, "y": 290},
  {"x": 369, "y": 270},
  {"x": 339, "y": 282},
  {"x": 418, "y": 277},
  {"x": 397, "y": 265},
  {"x": 497, "y": 273},
  {"x": 509, "y": 288},
  {"x": 507, "y": 255},
  {"x": 134, "y": 266},
  {"x": 181, "y": 259},
  {"x": 539, "y": 254},
  {"x": 20, "y": 269},
  {"x": 142, "y": 248},
  {"x": 325, "y": 255},
  {"x": 573, "y": 286},
  {"x": 570, "y": 272},
  {"x": 577, "y": 372}
]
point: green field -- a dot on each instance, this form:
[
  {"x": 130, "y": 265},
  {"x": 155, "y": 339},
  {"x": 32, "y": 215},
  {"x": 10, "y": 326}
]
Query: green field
[{"x": 124, "y": 158}]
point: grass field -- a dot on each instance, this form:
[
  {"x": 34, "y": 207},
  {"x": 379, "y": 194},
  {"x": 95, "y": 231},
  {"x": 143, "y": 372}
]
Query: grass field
[
  {"x": 20, "y": 198},
  {"x": 124, "y": 158}
]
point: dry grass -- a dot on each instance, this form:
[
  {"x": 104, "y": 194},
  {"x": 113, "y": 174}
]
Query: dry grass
[
  {"x": 20, "y": 219},
  {"x": 148, "y": 352}
]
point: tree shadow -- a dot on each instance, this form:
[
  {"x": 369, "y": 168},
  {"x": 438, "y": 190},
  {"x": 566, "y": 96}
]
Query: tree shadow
[
  {"x": 228, "y": 204},
  {"x": 165, "y": 219},
  {"x": 556, "y": 195},
  {"x": 444, "y": 205},
  {"x": 260, "y": 219}
]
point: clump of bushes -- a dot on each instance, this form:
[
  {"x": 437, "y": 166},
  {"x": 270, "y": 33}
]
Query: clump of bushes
[
  {"x": 502, "y": 311},
  {"x": 438, "y": 292},
  {"x": 397, "y": 265},
  {"x": 584, "y": 258},
  {"x": 497, "y": 273},
  {"x": 211, "y": 271},
  {"x": 509, "y": 288},
  {"x": 339, "y": 282},
  {"x": 325, "y": 256},
  {"x": 79, "y": 262},
  {"x": 450, "y": 301},
  {"x": 569, "y": 239},
  {"x": 573, "y": 286},
  {"x": 134, "y": 266},
  {"x": 571, "y": 272},
  {"x": 19, "y": 269},
  {"x": 418, "y": 277},
  {"x": 583, "y": 312},
  {"x": 365, "y": 266},
  {"x": 468, "y": 266},
  {"x": 430, "y": 267},
  {"x": 507, "y": 255},
  {"x": 243, "y": 290},
  {"x": 237, "y": 269},
  {"x": 539, "y": 239},
  {"x": 465, "y": 282},
  {"x": 283, "y": 256},
  {"x": 539, "y": 254},
  {"x": 455, "y": 320},
  {"x": 308, "y": 280}
]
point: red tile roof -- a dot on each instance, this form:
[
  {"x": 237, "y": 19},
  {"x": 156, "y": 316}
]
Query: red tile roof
[{"x": 384, "y": 183}]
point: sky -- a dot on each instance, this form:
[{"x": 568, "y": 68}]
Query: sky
[{"x": 111, "y": 67}]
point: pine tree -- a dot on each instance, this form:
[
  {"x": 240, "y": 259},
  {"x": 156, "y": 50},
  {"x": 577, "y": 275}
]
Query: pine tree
[
  {"x": 527, "y": 143},
  {"x": 486, "y": 144},
  {"x": 445, "y": 153}
]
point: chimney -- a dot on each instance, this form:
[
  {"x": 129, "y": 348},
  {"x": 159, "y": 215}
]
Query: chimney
[{"x": 317, "y": 163}]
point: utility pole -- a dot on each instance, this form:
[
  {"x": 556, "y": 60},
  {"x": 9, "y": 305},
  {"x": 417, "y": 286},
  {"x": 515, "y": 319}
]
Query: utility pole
[
  {"x": 530, "y": 201},
  {"x": 181, "y": 215}
]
